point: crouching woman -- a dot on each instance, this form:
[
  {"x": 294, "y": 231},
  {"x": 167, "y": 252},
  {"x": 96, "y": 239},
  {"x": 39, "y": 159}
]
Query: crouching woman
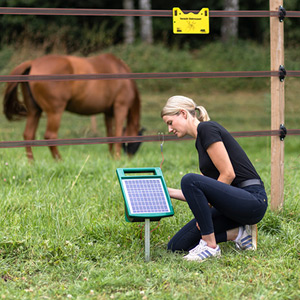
[{"x": 228, "y": 199}]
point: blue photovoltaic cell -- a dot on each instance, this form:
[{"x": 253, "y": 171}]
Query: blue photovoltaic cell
[{"x": 145, "y": 196}]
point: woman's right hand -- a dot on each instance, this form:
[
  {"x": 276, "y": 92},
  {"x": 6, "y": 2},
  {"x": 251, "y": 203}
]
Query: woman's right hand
[{"x": 176, "y": 194}]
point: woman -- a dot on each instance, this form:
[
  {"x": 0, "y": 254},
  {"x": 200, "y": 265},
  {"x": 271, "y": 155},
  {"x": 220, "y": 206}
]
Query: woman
[{"x": 228, "y": 199}]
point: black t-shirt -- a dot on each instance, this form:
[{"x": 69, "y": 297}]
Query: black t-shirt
[{"x": 211, "y": 132}]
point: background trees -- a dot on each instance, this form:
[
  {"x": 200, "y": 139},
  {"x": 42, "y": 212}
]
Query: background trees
[
  {"x": 93, "y": 33},
  {"x": 229, "y": 29},
  {"x": 146, "y": 30},
  {"x": 129, "y": 31}
]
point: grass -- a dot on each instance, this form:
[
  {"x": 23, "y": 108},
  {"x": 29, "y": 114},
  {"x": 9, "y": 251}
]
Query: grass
[
  {"x": 62, "y": 227},
  {"x": 60, "y": 239}
]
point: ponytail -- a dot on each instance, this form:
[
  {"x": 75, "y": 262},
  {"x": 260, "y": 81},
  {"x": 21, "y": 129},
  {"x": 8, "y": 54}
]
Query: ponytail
[{"x": 203, "y": 115}]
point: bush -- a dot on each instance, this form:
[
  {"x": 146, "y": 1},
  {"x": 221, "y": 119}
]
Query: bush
[{"x": 243, "y": 56}]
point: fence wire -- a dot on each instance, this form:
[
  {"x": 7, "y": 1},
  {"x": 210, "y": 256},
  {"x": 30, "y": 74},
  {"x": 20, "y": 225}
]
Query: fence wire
[{"x": 138, "y": 12}]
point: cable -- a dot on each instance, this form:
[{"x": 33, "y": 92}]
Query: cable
[
  {"x": 131, "y": 139},
  {"x": 162, "y": 139},
  {"x": 137, "y": 12},
  {"x": 161, "y": 75}
]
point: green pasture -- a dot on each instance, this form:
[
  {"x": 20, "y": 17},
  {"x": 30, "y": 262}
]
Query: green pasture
[{"x": 63, "y": 234}]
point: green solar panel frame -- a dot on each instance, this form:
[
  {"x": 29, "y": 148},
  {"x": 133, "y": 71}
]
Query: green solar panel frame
[{"x": 143, "y": 173}]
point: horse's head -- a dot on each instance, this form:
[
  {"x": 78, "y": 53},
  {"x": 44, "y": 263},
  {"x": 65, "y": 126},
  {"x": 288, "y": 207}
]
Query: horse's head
[{"x": 132, "y": 148}]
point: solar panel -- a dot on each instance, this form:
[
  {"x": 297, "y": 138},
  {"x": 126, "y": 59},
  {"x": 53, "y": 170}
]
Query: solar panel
[{"x": 145, "y": 194}]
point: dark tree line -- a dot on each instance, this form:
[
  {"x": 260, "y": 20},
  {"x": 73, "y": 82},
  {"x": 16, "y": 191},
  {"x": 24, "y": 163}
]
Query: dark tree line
[{"x": 91, "y": 33}]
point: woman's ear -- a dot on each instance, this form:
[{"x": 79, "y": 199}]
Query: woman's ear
[{"x": 184, "y": 113}]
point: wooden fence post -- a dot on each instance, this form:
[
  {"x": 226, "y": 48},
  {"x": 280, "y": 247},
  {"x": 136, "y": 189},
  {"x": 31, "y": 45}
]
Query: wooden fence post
[{"x": 277, "y": 108}]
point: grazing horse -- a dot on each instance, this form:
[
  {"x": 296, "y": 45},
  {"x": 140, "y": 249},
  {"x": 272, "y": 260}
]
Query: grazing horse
[{"x": 118, "y": 99}]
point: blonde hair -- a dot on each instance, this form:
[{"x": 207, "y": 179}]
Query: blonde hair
[{"x": 177, "y": 103}]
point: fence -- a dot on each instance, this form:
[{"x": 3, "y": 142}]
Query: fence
[{"x": 277, "y": 74}]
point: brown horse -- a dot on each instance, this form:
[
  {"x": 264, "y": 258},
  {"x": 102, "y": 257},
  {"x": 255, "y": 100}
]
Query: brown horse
[{"x": 118, "y": 99}]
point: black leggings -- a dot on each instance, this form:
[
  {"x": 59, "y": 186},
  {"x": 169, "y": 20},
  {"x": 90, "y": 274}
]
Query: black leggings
[{"x": 232, "y": 207}]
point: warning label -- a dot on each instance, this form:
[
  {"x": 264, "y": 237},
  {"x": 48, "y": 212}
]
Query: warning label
[{"x": 190, "y": 23}]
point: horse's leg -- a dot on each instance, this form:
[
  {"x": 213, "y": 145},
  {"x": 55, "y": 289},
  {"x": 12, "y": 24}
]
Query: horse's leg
[
  {"x": 120, "y": 115},
  {"x": 32, "y": 122},
  {"x": 94, "y": 124},
  {"x": 53, "y": 122},
  {"x": 109, "y": 129}
]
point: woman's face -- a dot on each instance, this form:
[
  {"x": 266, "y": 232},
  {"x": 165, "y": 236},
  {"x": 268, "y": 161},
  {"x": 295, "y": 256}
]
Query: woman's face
[{"x": 177, "y": 124}]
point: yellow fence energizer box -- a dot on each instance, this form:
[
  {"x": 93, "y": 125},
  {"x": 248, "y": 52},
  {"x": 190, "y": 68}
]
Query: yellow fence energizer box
[{"x": 190, "y": 22}]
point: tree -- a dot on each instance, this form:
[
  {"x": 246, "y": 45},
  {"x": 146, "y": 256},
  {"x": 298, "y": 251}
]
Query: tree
[
  {"x": 129, "y": 32},
  {"x": 146, "y": 22},
  {"x": 229, "y": 28}
]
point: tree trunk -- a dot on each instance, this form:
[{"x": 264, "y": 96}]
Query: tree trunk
[
  {"x": 229, "y": 29},
  {"x": 146, "y": 22},
  {"x": 128, "y": 23}
]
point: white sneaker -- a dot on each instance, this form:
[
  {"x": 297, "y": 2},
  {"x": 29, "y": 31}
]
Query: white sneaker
[
  {"x": 202, "y": 252},
  {"x": 248, "y": 239}
]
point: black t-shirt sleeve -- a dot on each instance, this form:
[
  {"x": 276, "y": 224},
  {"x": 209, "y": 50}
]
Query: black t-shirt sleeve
[{"x": 208, "y": 134}]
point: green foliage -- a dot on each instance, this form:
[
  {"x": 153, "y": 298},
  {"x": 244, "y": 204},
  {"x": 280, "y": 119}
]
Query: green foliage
[
  {"x": 89, "y": 33},
  {"x": 69, "y": 33},
  {"x": 211, "y": 57},
  {"x": 53, "y": 33}
]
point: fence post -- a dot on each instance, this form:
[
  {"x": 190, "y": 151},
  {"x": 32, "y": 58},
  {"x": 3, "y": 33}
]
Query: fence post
[{"x": 277, "y": 108}]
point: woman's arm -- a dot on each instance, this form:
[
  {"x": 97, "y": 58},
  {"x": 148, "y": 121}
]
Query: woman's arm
[
  {"x": 176, "y": 194},
  {"x": 220, "y": 158}
]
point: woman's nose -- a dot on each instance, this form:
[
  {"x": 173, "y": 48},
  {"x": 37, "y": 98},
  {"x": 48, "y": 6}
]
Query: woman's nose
[{"x": 170, "y": 128}]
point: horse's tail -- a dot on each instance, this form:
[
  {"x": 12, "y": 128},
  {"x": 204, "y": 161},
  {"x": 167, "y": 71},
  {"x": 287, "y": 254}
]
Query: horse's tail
[{"x": 12, "y": 106}]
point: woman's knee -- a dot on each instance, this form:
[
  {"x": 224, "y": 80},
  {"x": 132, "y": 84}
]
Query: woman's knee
[
  {"x": 187, "y": 180},
  {"x": 175, "y": 244},
  {"x": 171, "y": 246},
  {"x": 186, "y": 238}
]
